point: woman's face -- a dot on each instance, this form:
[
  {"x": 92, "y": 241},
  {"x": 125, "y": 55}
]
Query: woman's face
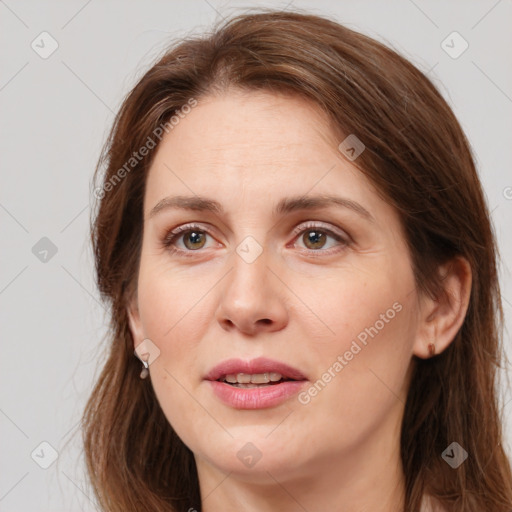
[{"x": 272, "y": 272}]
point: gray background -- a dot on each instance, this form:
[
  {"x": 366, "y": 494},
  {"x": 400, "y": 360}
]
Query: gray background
[{"x": 55, "y": 116}]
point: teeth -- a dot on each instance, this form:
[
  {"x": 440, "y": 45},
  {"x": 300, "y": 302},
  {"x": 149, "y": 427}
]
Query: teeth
[
  {"x": 260, "y": 378},
  {"x": 257, "y": 378}
]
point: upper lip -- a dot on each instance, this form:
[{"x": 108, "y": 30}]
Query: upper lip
[{"x": 254, "y": 366}]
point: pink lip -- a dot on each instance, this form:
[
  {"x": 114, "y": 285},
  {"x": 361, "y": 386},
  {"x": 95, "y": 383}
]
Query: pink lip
[
  {"x": 259, "y": 365},
  {"x": 255, "y": 398}
]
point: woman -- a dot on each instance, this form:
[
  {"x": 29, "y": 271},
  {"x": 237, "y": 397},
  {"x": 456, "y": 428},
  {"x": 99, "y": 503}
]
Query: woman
[{"x": 297, "y": 252}]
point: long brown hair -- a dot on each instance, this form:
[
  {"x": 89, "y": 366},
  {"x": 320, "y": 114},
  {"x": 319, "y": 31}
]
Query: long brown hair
[{"x": 419, "y": 160}]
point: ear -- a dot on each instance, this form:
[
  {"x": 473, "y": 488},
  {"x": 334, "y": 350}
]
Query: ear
[
  {"x": 134, "y": 322},
  {"x": 442, "y": 317}
]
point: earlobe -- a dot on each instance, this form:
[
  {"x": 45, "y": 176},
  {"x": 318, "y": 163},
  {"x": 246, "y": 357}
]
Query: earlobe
[
  {"x": 134, "y": 322},
  {"x": 441, "y": 318}
]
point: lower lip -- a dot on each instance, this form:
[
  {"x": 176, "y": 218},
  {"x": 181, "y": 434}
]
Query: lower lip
[{"x": 256, "y": 398}]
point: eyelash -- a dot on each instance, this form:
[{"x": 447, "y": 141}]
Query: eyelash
[{"x": 175, "y": 234}]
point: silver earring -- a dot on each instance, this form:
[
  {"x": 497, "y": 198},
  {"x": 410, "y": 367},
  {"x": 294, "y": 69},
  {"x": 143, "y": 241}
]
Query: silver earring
[{"x": 145, "y": 372}]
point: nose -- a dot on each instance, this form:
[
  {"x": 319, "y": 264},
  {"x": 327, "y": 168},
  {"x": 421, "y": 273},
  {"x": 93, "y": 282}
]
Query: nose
[{"x": 252, "y": 299}]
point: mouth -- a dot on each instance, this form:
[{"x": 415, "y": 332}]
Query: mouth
[
  {"x": 256, "y": 380},
  {"x": 256, "y": 372},
  {"x": 255, "y": 384}
]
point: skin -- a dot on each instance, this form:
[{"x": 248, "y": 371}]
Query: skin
[{"x": 295, "y": 303}]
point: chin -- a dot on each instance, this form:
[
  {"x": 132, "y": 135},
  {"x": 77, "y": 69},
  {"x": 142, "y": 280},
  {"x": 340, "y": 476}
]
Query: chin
[{"x": 252, "y": 454}]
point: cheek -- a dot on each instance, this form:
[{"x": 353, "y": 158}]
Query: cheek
[
  {"x": 174, "y": 318},
  {"x": 174, "y": 312},
  {"x": 168, "y": 297},
  {"x": 367, "y": 325},
  {"x": 361, "y": 371},
  {"x": 171, "y": 313},
  {"x": 350, "y": 301}
]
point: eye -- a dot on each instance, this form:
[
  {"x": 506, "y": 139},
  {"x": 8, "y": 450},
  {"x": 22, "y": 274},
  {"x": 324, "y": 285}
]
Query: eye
[
  {"x": 314, "y": 237},
  {"x": 193, "y": 237}
]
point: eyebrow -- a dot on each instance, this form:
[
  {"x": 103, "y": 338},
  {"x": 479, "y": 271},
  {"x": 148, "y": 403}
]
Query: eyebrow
[{"x": 286, "y": 205}]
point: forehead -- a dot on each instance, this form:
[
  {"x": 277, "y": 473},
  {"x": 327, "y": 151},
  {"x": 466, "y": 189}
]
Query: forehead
[
  {"x": 257, "y": 128},
  {"x": 247, "y": 140},
  {"x": 235, "y": 115}
]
